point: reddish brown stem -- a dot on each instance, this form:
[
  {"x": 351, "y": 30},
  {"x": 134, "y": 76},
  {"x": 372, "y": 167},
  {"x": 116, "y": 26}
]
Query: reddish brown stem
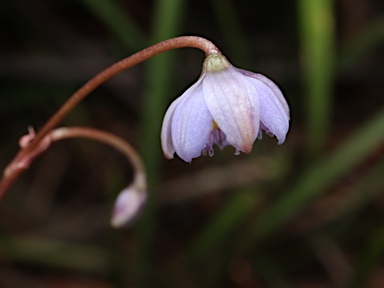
[
  {"x": 180, "y": 42},
  {"x": 101, "y": 136},
  {"x": 8, "y": 180},
  {"x": 15, "y": 168}
]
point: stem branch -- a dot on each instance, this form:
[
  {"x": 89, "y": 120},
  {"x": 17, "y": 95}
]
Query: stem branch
[
  {"x": 34, "y": 148},
  {"x": 101, "y": 136},
  {"x": 180, "y": 42}
]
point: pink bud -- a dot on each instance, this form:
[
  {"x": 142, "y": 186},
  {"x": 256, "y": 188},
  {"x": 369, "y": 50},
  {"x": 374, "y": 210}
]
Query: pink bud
[{"x": 128, "y": 206}]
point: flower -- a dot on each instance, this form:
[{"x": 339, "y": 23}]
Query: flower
[
  {"x": 226, "y": 106},
  {"x": 128, "y": 206}
]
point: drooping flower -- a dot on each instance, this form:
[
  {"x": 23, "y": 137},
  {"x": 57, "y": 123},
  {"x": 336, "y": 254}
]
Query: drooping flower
[
  {"x": 226, "y": 106},
  {"x": 128, "y": 206}
]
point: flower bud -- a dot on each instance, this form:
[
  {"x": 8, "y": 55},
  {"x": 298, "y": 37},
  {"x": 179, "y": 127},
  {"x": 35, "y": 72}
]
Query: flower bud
[
  {"x": 128, "y": 206},
  {"x": 226, "y": 106}
]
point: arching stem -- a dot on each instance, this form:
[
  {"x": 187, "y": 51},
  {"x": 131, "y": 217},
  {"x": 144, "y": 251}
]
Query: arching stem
[{"x": 35, "y": 147}]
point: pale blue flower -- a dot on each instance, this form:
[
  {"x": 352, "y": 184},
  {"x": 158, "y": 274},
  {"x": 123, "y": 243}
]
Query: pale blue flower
[
  {"x": 130, "y": 202},
  {"x": 226, "y": 106}
]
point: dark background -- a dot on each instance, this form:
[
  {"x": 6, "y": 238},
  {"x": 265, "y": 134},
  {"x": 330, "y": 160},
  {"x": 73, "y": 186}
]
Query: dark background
[{"x": 308, "y": 213}]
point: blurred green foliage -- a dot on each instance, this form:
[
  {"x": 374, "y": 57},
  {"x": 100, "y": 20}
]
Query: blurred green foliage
[{"x": 312, "y": 216}]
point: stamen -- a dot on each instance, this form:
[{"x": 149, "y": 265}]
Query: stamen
[
  {"x": 219, "y": 138},
  {"x": 215, "y": 137}
]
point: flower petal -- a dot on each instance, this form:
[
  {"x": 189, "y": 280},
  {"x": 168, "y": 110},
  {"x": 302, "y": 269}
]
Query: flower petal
[
  {"x": 273, "y": 116},
  {"x": 191, "y": 124},
  {"x": 271, "y": 85},
  {"x": 232, "y": 101},
  {"x": 273, "y": 113},
  {"x": 166, "y": 137},
  {"x": 274, "y": 110}
]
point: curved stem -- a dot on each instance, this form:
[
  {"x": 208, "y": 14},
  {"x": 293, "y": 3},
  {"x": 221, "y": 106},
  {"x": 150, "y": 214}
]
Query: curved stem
[
  {"x": 104, "y": 137},
  {"x": 19, "y": 164},
  {"x": 180, "y": 42},
  {"x": 35, "y": 147}
]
